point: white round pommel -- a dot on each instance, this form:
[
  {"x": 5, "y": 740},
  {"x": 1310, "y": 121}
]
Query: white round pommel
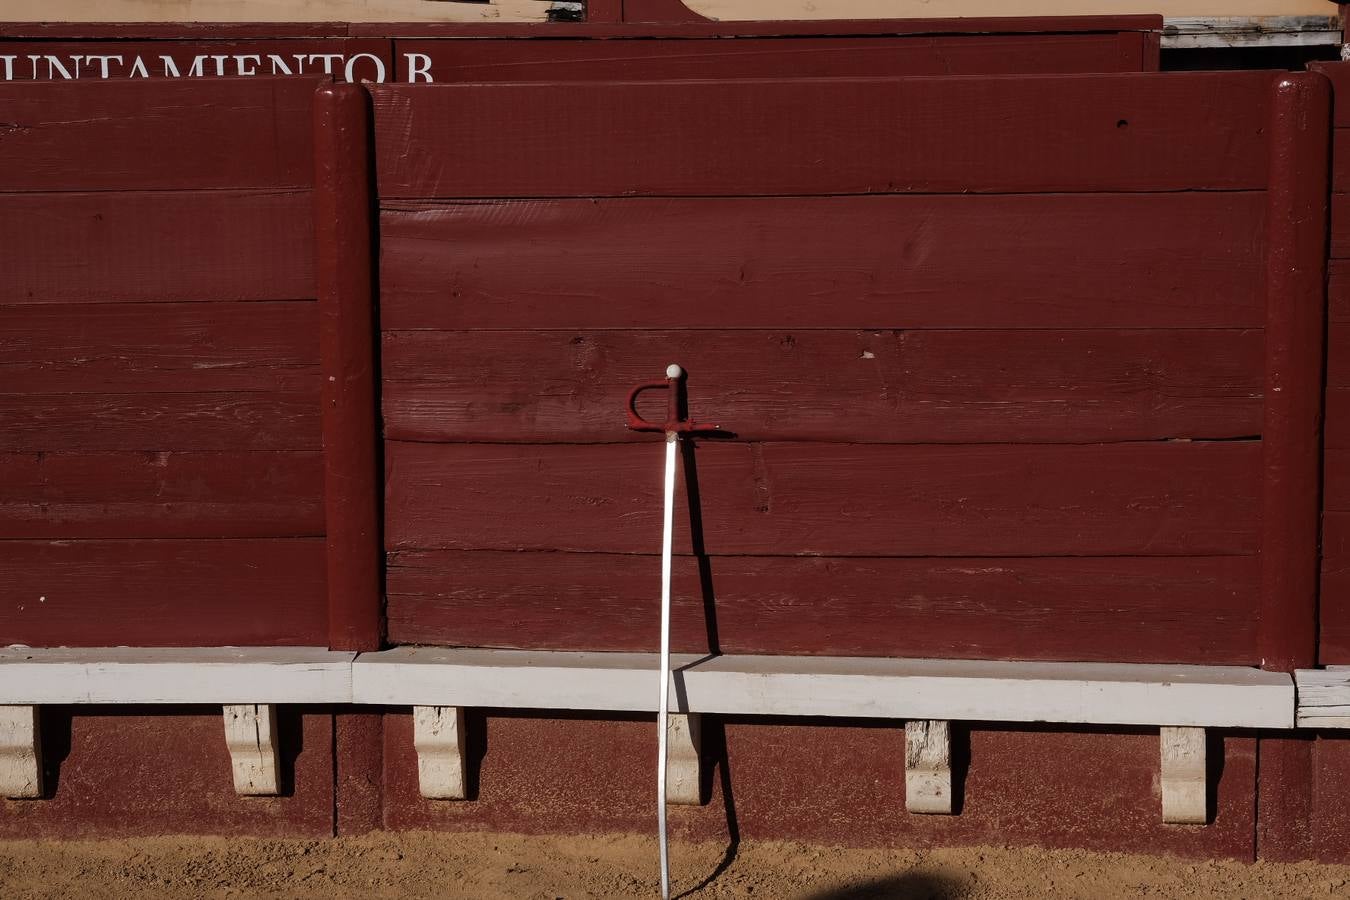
[{"x": 674, "y": 371}]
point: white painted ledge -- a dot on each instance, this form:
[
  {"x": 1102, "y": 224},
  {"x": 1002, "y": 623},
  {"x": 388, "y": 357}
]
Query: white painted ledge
[
  {"x": 214, "y": 675},
  {"x": 907, "y": 689}
]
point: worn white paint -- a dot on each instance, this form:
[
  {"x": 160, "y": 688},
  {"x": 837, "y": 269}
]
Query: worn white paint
[
  {"x": 1323, "y": 697},
  {"x": 1182, "y": 777},
  {"x": 928, "y": 767},
  {"x": 250, "y": 736},
  {"x": 438, "y": 738},
  {"x": 684, "y": 767},
  {"x": 20, "y": 752},
  {"x": 1251, "y": 31},
  {"x": 273, "y": 11},
  {"x": 970, "y": 690},
  {"x": 214, "y": 675}
]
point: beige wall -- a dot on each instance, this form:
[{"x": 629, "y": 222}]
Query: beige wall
[{"x": 535, "y": 10}]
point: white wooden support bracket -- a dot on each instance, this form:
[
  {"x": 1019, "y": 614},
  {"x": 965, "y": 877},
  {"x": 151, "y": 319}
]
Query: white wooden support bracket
[
  {"x": 1183, "y": 776},
  {"x": 928, "y": 767},
  {"x": 684, "y": 760},
  {"x": 250, "y": 736},
  {"x": 438, "y": 738},
  {"x": 20, "y": 753}
]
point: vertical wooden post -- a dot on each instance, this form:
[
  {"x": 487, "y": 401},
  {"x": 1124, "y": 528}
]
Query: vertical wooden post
[
  {"x": 344, "y": 247},
  {"x": 1296, "y": 241}
]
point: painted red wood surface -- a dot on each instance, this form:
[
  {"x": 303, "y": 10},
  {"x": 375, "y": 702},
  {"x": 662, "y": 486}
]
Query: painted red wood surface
[
  {"x": 1155, "y": 609},
  {"x": 158, "y": 135},
  {"x": 756, "y": 137},
  {"x": 892, "y": 386},
  {"x": 1295, "y": 310},
  {"x": 344, "y": 245},
  {"x": 1027, "y": 261},
  {"x": 748, "y": 57},
  {"x": 154, "y": 246},
  {"x": 146, "y": 770},
  {"x": 1155, "y": 498},
  {"x": 160, "y": 494},
  {"x": 163, "y": 593},
  {"x": 159, "y": 347},
  {"x": 1023, "y": 785}
]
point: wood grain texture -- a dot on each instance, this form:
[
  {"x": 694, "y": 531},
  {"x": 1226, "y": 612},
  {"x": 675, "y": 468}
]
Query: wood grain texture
[
  {"x": 804, "y": 57},
  {"x": 1336, "y": 425},
  {"x": 160, "y": 421},
  {"x": 894, "y": 386},
  {"x": 1163, "y": 498},
  {"x": 156, "y": 246},
  {"x": 163, "y": 593},
  {"x": 1338, "y": 290},
  {"x": 1145, "y": 610},
  {"x": 836, "y": 136},
  {"x": 152, "y": 135},
  {"x": 1340, "y": 226},
  {"x": 1096, "y": 261},
  {"x": 160, "y": 495},
  {"x": 1333, "y": 646},
  {"x": 159, "y": 347}
]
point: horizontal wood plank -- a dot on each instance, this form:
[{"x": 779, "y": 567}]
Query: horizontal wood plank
[
  {"x": 1338, "y": 290},
  {"x": 1159, "y": 499},
  {"x": 161, "y": 495},
  {"x": 894, "y": 386},
  {"x": 165, "y": 347},
  {"x": 163, "y": 593},
  {"x": 1123, "y": 610},
  {"x": 169, "y": 134},
  {"x": 223, "y": 675},
  {"x": 774, "y": 57},
  {"x": 139, "y": 421},
  {"x": 1172, "y": 131},
  {"x": 1066, "y": 261},
  {"x": 156, "y": 246},
  {"x": 963, "y": 690}
]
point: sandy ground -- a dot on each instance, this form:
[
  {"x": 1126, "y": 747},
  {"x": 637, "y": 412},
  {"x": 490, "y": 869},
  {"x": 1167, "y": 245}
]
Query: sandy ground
[{"x": 499, "y": 866}]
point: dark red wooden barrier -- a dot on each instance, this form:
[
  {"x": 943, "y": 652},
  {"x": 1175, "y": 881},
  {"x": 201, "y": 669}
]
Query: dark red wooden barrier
[{"x": 992, "y": 348}]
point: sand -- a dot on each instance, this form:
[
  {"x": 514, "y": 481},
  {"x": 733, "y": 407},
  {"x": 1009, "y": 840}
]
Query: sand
[{"x": 500, "y": 866}]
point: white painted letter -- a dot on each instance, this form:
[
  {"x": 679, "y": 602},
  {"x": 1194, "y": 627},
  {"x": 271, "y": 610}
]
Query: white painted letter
[
  {"x": 239, "y": 60},
  {"x": 103, "y": 63},
  {"x": 351, "y": 66},
  {"x": 54, "y": 66},
  {"x": 198, "y": 68},
  {"x": 9, "y": 66},
  {"x": 419, "y": 64},
  {"x": 279, "y": 66},
  {"x": 170, "y": 67},
  {"x": 138, "y": 65}
]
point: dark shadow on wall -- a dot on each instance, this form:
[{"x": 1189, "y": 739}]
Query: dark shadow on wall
[{"x": 906, "y": 886}]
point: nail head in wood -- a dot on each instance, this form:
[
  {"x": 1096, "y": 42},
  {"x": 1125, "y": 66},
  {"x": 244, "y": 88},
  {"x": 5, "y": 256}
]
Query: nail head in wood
[
  {"x": 684, "y": 759},
  {"x": 438, "y": 738},
  {"x": 1183, "y": 776},
  {"x": 20, "y": 753},
  {"x": 250, "y": 736},
  {"x": 928, "y": 767}
]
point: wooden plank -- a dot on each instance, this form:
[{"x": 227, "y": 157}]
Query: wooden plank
[
  {"x": 1340, "y": 159},
  {"x": 1137, "y": 609},
  {"x": 1336, "y": 480},
  {"x": 151, "y": 135},
  {"x": 251, "y": 739},
  {"x": 804, "y": 57},
  {"x": 1339, "y": 75},
  {"x": 144, "y": 422},
  {"x": 1163, "y": 498},
  {"x": 1291, "y": 442},
  {"x": 1336, "y": 425},
  {"x": 1338, "y": 355},
  {"x": 161, "y": 495},
  {"x": 1340, "y": 226},
  {"x": 928, "y": 767},
  {"x": 836, "y": 136},
  {"x": 158, "y": 675},
  {"x": 1118, "y": 261},
  {"x": 1334, "y": 596},
  {"x": 892, "y": 386},
  {"x": 161, "y": 347},
  {"x": 156, "y": 246},
  {"x": 1323, "y": 697},
  {"x": 157, "y": 593},
  {"x": 1183, "y": 777},
  {"x": 967, "y": 690},
  {"x": 345, "y": 244},
  {"x": 1338, "y": 290}
]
